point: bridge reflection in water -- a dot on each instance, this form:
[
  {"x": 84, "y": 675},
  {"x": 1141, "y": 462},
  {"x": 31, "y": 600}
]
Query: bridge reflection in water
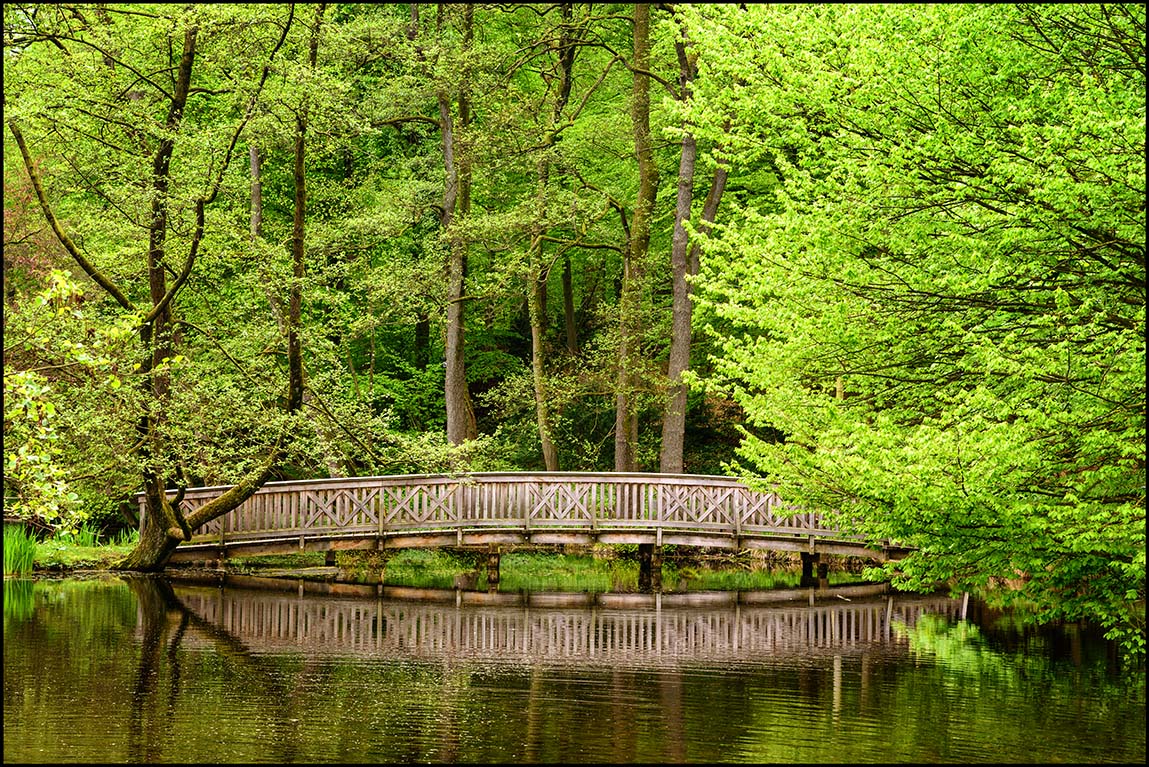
[{"x": 602, "y": 629}]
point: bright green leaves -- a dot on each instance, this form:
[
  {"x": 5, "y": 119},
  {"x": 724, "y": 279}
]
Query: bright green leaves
[
  {"x": 35, "y": 484},
  {"x": 957, "y": 248},
  {"x": 56, "y": 354}
]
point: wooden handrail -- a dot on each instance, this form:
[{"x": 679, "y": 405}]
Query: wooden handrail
[{"x": 529, "y": 502}]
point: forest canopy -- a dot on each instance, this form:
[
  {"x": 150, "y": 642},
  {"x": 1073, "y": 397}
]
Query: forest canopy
[{"x": 889, "y": 259}]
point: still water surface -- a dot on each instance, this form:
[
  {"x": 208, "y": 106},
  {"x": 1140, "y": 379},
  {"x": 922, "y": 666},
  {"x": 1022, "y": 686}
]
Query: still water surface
[{"x": 147, "y": 669}]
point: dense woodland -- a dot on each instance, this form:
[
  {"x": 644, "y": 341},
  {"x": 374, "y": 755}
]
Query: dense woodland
[{"x": 888, "y": 258}]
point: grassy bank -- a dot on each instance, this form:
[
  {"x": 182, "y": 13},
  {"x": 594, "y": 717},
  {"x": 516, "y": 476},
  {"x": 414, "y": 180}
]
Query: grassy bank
[
  {"x": 597, "y": 569},
  {"x": 592, "y": 569},
  {"x": 81, "y": 550}
]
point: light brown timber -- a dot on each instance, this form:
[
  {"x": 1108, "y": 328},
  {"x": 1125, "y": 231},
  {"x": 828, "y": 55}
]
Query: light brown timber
[{"x": 419, "y": 511}]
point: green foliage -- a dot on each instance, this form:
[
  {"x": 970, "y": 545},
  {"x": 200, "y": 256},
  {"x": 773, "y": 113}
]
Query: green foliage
[
  {"x": 924, "y": 298},
  {"x": 19, "y": 550},
  {"x": 954, "y": 247},
  {"x": 34, "y": 481},
  {"x": 58, "y": 353}
]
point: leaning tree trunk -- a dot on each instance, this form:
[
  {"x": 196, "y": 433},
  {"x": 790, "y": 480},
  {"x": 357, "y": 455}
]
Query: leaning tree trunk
[
  {"x": 163, "y": 526},
  {"x": 634, "y": 257}
]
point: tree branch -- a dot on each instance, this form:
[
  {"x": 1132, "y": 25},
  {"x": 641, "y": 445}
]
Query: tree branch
[{"x": 96, "y": 275}]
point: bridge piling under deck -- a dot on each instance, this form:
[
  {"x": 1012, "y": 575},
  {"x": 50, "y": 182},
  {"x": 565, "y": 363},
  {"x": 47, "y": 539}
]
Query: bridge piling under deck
[
  {"x": 649, "y": 567},
  {"x": 493, "y": 557},
  {"x": 810, "y": 561}
]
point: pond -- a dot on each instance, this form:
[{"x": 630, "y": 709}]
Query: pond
[{"x": 160, "y": 670}]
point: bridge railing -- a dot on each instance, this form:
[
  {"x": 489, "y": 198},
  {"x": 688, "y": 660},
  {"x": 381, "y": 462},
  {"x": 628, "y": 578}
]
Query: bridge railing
[{"x": 560, "y": 501}]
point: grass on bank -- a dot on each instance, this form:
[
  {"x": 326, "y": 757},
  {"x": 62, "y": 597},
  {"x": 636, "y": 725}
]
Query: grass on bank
[
  {"x": 601, "y": 569},
  {"x": 81, "y": 550},
  {"x": 605, "y": 570}
]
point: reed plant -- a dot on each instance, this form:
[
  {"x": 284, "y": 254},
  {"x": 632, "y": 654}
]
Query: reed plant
[
  {"x": 126, "y": 538},
  {"x": 19, "y": 550},
  {"x": 85, "y": 536}
]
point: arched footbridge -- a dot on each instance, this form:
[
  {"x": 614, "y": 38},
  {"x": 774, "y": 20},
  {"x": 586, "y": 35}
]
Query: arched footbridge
[{"x": 484, "y": 509}]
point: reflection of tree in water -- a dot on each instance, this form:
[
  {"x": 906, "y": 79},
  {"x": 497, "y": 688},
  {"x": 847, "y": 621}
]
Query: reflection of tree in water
[
  {"x": 164, "y": 622},
  {"x": 154, "y": 599}
]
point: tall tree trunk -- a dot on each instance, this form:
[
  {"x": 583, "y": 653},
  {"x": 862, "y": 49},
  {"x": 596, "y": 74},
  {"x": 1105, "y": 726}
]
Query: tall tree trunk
[
  {"x": 542, "y": 409},
  {"x": 674, "y": 412},
  {"x": 332, "y": 460},
  {"x": 456, "y": 202},
  {"x": 154, "y": 549},
  {"x": 537, "y": 273},
  {"x": 674, "y": 418},
  {"x": 634, "y": 257},
  {"x": 164, "y": 527}
]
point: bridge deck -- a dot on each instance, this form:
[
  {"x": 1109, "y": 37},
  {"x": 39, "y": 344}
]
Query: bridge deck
[{"x": 535, "y": 508}]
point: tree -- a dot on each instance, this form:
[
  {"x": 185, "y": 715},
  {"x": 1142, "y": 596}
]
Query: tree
[
  {"x": 684, "y": 265},
  {"x": 635, "y": 254},
  {"x": 943, "y": 314},
  {"x": 151, "y": 153}
]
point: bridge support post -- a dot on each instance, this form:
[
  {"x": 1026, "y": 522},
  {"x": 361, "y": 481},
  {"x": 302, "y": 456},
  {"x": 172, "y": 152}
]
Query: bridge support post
[
  {"x": 809, "y": 559},
  {"x": 329, "y": 558},
  {"x": 492, "y": 566},
  {"x": 649, "y": 567}
]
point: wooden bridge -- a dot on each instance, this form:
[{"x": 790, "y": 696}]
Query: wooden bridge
[{"x": 489, "y": 509}]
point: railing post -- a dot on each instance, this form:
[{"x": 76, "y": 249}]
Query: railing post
[
  {"x": 659, "y": 517},
  {"x": 595, "y": 494},
  {"x": 737, "y": 504},
  {"x": 380, "y": 508}
]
